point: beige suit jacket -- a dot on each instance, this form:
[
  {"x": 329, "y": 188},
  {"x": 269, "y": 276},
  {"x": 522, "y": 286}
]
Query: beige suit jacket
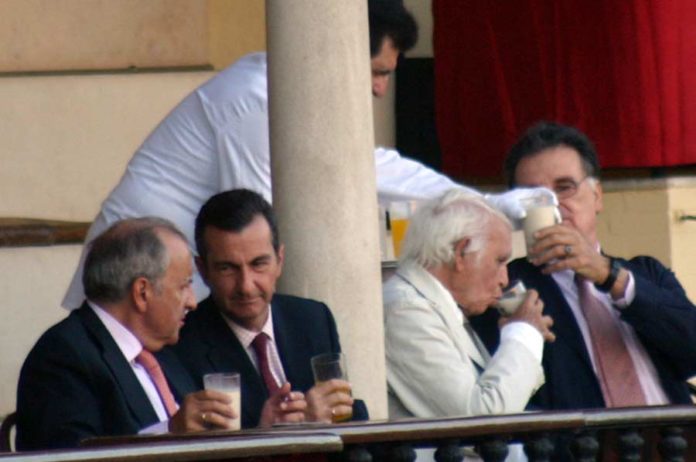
[{"x": 433, "y": 364}]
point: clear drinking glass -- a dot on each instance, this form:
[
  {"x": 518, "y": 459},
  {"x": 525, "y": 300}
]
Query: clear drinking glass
[
  {"x": 229, "y": 383},
  {"x": 329, "y": 366},
  {"x": 541, "y": 213},
  {"x": 399, "y": 217},
  {"x": 513, "y": 296}
]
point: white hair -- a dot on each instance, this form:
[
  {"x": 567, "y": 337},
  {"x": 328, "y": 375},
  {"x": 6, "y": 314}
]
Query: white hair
[{"x": 438, "y": 224}]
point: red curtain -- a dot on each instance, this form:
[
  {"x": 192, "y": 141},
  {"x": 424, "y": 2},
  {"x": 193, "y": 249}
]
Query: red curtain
[{"x": 623, "y": 71}]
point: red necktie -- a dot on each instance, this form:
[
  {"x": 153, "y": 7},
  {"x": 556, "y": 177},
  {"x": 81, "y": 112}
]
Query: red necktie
[
  {"x": 260, "y": 345},
  {"x": 151, "y": 365},
  {"x": 617, "y": 373}
]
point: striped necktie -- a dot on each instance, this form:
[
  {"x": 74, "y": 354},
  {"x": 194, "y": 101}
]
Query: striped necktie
[
  {"x": 615, "y": 369},
  {"x": 151, "y": 365},
  {"x": 260, "y": 345}
]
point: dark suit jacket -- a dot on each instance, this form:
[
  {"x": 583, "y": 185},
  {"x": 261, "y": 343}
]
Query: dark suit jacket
[
  {"x": 303, "y": 328},
  {"x": 76, "y": 384},
  {"x": 661, "y": 314}
]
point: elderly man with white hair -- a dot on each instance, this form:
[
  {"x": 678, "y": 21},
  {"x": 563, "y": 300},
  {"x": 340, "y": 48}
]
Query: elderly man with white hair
[{"x": 453, "y": 266}]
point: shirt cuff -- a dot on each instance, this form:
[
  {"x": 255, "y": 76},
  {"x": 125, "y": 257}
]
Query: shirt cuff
[
  {"x": 526, "y": 334},
  {"x": 629, "y": 293},
  {"x": 158, "y": 428}
]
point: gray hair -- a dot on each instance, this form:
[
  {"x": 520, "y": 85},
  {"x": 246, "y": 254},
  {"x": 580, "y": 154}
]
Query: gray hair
[
  {"x": 128, "y": 250},
  {"x": 438, "y": 224}
]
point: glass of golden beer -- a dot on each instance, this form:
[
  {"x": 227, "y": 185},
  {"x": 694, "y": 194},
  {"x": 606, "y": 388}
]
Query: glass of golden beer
[
  {"x": 399, "y": 216},
  {"x": 329, "y": 366}
]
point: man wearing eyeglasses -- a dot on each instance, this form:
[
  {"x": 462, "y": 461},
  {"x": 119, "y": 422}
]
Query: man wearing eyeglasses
[{"x": 626, "y": 332}]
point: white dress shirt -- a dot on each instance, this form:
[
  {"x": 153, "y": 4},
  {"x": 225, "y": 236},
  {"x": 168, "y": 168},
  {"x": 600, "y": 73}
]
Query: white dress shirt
[
  {"x": 131, "y": 347},
  {"x": 217, "y": 139},
  {"x": 246, "y": 336},
  {"x": 647, "y": 374}
]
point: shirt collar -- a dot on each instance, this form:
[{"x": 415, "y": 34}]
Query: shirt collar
[
  {"x": 246, "y": 336},
  {"x": 128, "y": 343},
  {"x": 429, "y": 287}
]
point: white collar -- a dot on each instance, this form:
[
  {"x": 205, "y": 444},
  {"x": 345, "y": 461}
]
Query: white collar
[
  {"x": 247, "y": 336},
  {"x": 128, "y": 343}
]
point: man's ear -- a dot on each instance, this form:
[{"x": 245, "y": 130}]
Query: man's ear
[
  {"x": 460, "y": 251},
  {"x": 140, "y": 293},
  {"x": 280, "y": 255},
  {"x": 598, "y": 193}
]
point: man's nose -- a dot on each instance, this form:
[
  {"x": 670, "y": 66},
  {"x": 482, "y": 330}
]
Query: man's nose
[
  {"x": 504, "y": 281},
  {"x": 245, "y": 283},
  {"x": 190, "y": 302}
]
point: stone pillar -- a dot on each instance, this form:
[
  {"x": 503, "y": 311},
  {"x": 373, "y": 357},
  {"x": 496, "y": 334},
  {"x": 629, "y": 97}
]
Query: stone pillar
[{"x": 321, "y": 133}]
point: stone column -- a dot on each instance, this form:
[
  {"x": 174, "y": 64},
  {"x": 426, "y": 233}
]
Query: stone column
[{"x": 321, "y": 133}]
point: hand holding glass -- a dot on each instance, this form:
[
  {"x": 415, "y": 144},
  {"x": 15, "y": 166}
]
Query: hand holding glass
[
  {"x": 512, "y": 298},
  {"x": 331, "y": 366},
  {"x": 541, "y": 213},
  {"x": 231, "y": 385}
]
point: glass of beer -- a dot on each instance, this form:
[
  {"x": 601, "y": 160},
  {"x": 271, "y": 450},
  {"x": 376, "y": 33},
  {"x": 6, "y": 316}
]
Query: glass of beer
[
  {"x": 329, "y": 366},
  {"x": 399, "y": 216},
  {"x": 229, "y": 383}
]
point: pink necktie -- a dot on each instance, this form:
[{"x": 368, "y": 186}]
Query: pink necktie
[
  {"x": 260, "y": 344},
  {"x": 151, "y": 365},
  {"x": 617, "y": 373}
]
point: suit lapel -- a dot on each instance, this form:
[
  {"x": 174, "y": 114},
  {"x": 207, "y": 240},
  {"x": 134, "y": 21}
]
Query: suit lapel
[
  {"x": 226, "y": 354},
  {"x": 442, "y": 303},
  {"x": 287, "y": 350},
  {"x": 122, "y": 371}
]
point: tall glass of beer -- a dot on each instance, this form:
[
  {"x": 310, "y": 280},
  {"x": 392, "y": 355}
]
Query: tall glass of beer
[{"x": 329, "y": 366}]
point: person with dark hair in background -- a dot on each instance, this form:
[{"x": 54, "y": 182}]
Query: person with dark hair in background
[
  {"x": 392, "y": 31},
  {"x": 217, "y": 139},
  {"x": 626, "y": 331},
  {"x": 244, "y": 326},
  {"x": 94, "y": 373}
]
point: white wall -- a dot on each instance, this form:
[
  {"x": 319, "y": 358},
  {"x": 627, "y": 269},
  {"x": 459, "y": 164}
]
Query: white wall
[{"x": 65, "y": 143}]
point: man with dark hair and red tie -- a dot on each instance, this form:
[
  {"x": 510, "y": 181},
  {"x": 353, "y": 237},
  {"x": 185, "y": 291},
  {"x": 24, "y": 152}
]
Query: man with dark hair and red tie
[
  {"x": 244, "y": 326},
  {"x": 94, "y": 373},
  {"x": 626, "y": 331}
]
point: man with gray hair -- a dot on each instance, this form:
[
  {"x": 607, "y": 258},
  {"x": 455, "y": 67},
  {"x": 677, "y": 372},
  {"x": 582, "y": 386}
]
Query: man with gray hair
[
  {"x": 453, "y": 266},
  {"x": 94, "y": 373}
]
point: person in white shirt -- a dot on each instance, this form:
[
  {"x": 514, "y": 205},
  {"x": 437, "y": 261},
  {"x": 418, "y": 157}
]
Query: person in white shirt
[{"x": 217, "y": 139}]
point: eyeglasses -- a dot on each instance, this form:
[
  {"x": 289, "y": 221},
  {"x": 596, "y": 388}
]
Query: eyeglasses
[{"x": 567, "y": 187}]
